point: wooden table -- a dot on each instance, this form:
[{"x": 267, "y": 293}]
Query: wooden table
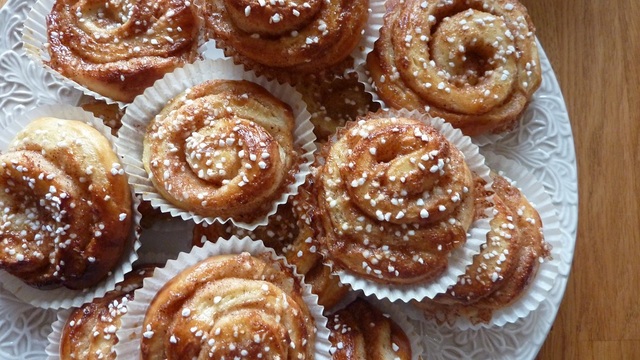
[{"x": 594, "y": 47}]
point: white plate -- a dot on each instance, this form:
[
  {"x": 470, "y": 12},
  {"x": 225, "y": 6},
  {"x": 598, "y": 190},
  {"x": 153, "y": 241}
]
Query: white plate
[{"x": 543, "y": 143}]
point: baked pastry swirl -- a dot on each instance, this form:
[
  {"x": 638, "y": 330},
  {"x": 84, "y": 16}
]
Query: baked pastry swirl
[
  {"x": 287, "y": 36},
  {"x": 506, "y": 265},
  {"x": 230, "y": 306},
  {"x": 65, "y": 205},
  {"x": 472, "y": 62},
  {"x": 119, "y": 48},
  {"x": 223, "y": 148},
  {"x": 395, "y": 198},
  {"x": 362, "y": 332},
  {"x": 292, "y": 232},
  {"x": 89, "y": 332}
]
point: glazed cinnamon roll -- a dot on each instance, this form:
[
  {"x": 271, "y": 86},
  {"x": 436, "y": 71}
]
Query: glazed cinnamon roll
[
  {"x": 119, "y": 48},
  {"x": 504, "y": 268},
  {"x": 230, "y": 306},
  {"x": 65, "y": 205},
  {"x": 362, "y": 332},
  {"x": 287, "y": 36},
  {"x": 334, "y": 101},
  {"x": 293, "y": 233},
  {"x": 222, "y": 149},
  {"x": 472, "y": 62},
  {"x": 395, "y": 198},
  {"x": 89, "y": 332}
]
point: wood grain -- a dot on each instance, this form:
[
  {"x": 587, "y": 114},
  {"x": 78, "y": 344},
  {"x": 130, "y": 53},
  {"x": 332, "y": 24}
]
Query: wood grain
[{"x": 594, "y": 47}]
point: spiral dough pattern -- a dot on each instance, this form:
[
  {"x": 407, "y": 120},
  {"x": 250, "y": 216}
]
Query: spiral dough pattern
[
  {"x": 65, "y": 205},
  {"x": 119, "y": 48},
  {"x": 230, "y": 306},
  {"x": 222, "y": 149},
  {"x": 472, "y": 62},
  {"x": 395, "y": 197}
]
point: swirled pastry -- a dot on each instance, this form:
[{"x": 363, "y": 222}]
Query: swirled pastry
[
  {"x": 119, "y": 48},
  {"x": 292, "y": 232},
  {"x": 287, "y": 36},
  {"x": 472, "y": 62},
  {"x": 90, "y": 330},
  {"x": 65, "y": 205},
  {"x": 230, "y": 306},
  {"x": 362, "y": 332},
  {"x": 222, "y": 149},
  {"x": 504, "y": 268},
  {"x": 395, "y": 198},
  {"x": 334, "y": 101}
]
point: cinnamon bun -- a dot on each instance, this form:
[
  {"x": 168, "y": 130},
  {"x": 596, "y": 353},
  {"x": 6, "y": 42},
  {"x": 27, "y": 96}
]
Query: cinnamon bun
[
  {"x": 230, "y": 306},
  {"x": 362, "y": 332},
  {"x": 65, "y": 204},
  {"x": 504, "y": 268},
  {"x": 89, "y": 332},
  {"x": 283, "y": 37},
  {"x": 223, "y": 148},
  {"x": 119, "y": 48},
  {"x": 395, "y": 198},
  {"x": 472, "y": 62}
]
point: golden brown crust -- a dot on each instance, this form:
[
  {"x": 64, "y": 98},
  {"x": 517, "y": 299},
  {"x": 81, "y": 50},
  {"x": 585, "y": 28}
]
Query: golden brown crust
[
  {"x": 111, "y": 114},
  {"x": 292, "y": 232},
  {"x": 89, "y": 332},
  {"x": 223, "y": 148},
  {"x": 395, "y": 198},
  {"x": 334, "y": 101},
  {"x": 67, "y": 205},
  {"x": 230, "y": 306},
  {"x": 474, "y": 63},
  {"x": 361, "y": 332},
  {"x": 299, "y": 36},
  {"x": 120, "y": 48},
  {"x": 506, "y": 265}
]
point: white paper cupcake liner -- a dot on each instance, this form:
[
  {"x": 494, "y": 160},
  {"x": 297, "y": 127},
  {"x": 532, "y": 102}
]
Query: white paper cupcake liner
[
  {"x": 547, "y": 273},
  {"x": 371, "y": 32},
  {"x": 53, "y": 348},
  {"x": 63, "y": 297},
  {"x": 460, "y": 258},
  {"x": 131, "y": 330},
  {"x": 148, "y": 105}
]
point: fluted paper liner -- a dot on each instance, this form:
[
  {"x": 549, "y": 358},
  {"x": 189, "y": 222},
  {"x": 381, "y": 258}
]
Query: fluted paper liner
[
  {"x": 131, "y": 330},
  {"x": 460, "y": 258},
  {"x": 55, "y": 336},
  {"x": 146, "y": 106},
  {"x": 62, "y": 297}
]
